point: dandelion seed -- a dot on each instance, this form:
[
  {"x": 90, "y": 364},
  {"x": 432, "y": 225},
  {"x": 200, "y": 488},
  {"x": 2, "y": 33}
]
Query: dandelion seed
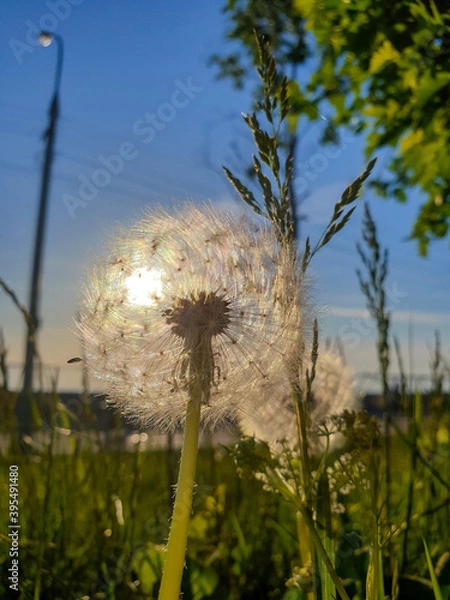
[{"x": 76, "y": 359}]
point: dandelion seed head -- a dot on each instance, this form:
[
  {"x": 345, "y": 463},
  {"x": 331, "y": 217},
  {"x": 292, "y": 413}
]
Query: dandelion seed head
[
  {"x": 275, "y": 420},
  {"x": 174, "y": 285}
]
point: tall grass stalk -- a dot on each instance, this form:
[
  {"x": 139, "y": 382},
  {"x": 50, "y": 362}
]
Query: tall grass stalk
[
  {"x": 328, "y": 588},
  {"x": 3, "y": 362},
  {"x": 26, "y": 402},
  {"x": 375, "y": 260},
  {"x": 375, "y": 576},
  {"x": 44, "y": 524},
  {"x": 436, "y": 589},
  {"x": 274, "y": 177},
  {"x": 407, "y": 402},
  {"x": 321, "y": 551}
]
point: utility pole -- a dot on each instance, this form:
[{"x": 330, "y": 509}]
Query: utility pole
[{"x": 45, "y": 39}]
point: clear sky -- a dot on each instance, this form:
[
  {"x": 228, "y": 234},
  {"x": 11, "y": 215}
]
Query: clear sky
[{"x": 136, "y": 82}]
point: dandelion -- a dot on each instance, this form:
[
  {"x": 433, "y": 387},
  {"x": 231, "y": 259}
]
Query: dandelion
[
  {"x": 187, "y": 318},
  {"x": 175, "y": 286},
  {"x": 332, "y": 392}
]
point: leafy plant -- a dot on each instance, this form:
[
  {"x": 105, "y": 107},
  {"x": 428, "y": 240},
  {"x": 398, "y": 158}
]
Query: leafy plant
[{"x": 383, "y": 69}]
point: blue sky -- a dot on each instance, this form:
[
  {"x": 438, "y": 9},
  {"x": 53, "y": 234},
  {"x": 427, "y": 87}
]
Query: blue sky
[{"x": 126, "y": 62}]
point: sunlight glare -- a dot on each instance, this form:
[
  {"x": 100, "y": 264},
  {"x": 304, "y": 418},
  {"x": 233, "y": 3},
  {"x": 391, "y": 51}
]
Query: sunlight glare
[{"x": 144, "y": 286}]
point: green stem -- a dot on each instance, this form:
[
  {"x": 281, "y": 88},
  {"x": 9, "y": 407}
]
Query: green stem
[
  {"x": 301, "y": 415},
  {"x": 176, "y": 547},
  {"x": 322, "y": 552},
  {"x": 304, "y": 542},
  {"x": 288, "y": 492}
]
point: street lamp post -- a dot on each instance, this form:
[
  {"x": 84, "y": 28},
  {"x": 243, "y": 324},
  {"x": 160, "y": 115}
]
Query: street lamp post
[{"x": 45, "y": 39}]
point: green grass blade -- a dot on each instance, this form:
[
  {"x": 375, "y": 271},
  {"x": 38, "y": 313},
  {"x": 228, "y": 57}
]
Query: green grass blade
[
  {"x": 381, "y": 595},
  {"x": 436, "y": 589},
  {"x": 328, "y": 587}
]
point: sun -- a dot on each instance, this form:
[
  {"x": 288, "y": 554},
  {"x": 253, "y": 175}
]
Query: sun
[{"x": 144, "y": 286}]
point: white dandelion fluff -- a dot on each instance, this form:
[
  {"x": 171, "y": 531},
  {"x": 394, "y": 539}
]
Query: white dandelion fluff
[
  {"x": 175, "y": 286},
  {"x": 333, "y": 391}
]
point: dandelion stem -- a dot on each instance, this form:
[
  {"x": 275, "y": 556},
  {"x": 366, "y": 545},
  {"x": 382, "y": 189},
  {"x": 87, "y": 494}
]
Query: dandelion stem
[{"x": 176, "y": 547}]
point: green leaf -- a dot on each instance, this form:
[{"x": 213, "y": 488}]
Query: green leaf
[
  {"x": 383, "y": 55},
  {"x": 204, "y": 581},
  {"x": 430, "y": 84},
  {"x": 400, "y": 195},
  {"x": 148, "y": 564},
  {"x": 299, "y": 105},
  {"x": 294, "y": 594}
]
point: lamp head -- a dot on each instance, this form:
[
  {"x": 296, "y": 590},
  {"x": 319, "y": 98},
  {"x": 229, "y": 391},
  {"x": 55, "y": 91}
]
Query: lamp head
[{"x": 46, "y": 38}]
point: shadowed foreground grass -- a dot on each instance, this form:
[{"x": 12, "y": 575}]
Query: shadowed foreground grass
[{"x": 93, "y": 523}]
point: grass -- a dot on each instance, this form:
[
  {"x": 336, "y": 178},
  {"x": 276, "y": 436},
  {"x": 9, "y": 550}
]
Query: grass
[{"x": 93, "y": 524}]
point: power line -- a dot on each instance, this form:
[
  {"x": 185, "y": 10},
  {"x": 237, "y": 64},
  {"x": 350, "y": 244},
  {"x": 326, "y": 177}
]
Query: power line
[
  {"x": 93, "y": 126},
  {"x": 133, "y": 177},
  {"x": 30, "y": 170},
  {"x": 27, "y": 134},
  {"x": 16, "y": 167}
]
